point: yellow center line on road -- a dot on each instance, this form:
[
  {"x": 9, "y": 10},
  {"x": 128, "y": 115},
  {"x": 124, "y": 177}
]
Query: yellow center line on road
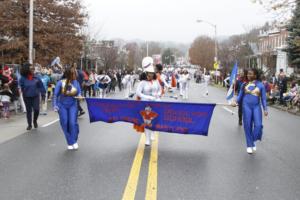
[
  {"x": 151, "y": 191},
  {"x": 133, "y": 179}
]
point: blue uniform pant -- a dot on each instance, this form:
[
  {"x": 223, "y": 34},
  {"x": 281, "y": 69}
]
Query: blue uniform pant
[
  {"x": 32, "y": 103},
  {"x": 68, "y": 122},
  {"x": 252, "y": 119}
]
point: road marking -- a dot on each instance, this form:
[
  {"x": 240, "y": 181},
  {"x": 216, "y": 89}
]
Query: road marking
[
  {"x": 151, "y": 191},
  {"x": 50, "y": 123},
  {"x": 227, "y": 109},
  {"x": 133, "y": 179}
]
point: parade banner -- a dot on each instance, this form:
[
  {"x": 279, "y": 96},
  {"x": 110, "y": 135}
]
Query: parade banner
[{"x": 172, "y": 117}]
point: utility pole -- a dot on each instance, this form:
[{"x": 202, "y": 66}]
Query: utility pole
[
  {"x": 30, "y": 32},
  {"x": 147, "y": 49}
]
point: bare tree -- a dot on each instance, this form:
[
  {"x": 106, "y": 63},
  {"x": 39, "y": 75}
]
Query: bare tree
[
  {"x": 57, "y": 25},
  {"x": 282, "y": 9},
  {"x": 202, "y": 52}
]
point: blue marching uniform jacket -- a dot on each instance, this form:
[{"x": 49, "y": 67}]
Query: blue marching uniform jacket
[
  {"x": 252, "y": 96},
  {"x": 66, "y": 104}
]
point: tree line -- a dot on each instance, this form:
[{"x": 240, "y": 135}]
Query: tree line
[{"x": 57, "y": 30}]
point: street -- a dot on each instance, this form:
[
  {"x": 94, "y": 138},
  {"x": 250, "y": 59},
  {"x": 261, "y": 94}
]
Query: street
[{"x": 36, "y": 165}]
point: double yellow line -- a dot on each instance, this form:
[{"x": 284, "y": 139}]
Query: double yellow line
[{"x": 151, "y": 191}]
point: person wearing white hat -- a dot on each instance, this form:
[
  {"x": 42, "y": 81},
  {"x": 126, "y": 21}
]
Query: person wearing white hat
[
  {"x": 184, "y": 82},
  {"x": 148, "y": 89}
]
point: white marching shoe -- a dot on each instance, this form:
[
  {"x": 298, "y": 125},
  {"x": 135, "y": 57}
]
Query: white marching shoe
[
  {"x": 70, "y": 147},
  {"x": 148, "y": 138},
  {"x": 249, "y": 150},
  {"x": 254, "y": 149},
  {"x": 75, "y": 146},
  {"x": 153, "y": 135}
]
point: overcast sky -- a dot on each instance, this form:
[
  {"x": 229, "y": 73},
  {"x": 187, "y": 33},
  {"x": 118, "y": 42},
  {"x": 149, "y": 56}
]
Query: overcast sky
[{"x": 171, "y": 20}]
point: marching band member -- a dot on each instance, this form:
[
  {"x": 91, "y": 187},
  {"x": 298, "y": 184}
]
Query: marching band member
[
  {"x": 65, "y": 104},
  {"x": 103, "y": 81},
  {"x": 127, "y": 82},
  {"x": 252, "y": 95},
  {"x": 184, "y": 81},
  {"x": 206, "y": 81},
  {"x": 161, "y": 78},
  {"x": 148, "y": 89}
]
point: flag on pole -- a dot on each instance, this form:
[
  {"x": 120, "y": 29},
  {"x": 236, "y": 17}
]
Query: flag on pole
[{"x": 233, "y": 76}]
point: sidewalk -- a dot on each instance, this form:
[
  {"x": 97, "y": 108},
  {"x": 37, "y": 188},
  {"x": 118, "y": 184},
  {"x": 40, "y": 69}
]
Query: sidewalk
[
  {"x": 283, "y": 108},
  {"x": 17, "y": 124}
]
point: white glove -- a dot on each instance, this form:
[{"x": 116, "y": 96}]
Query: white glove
[{"x": 56, "y": 109}]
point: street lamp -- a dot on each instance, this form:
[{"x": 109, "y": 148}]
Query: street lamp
[
  {"x": 216, "y": 47},
  {"x": 215, "y": 27}
]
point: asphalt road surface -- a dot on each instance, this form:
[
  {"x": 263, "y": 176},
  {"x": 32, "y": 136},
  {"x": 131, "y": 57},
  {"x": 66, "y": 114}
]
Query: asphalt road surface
[{"x": 113, "y": 163}]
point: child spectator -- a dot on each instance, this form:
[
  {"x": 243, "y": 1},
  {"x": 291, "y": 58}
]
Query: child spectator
[{"x": 6, "y": 96}]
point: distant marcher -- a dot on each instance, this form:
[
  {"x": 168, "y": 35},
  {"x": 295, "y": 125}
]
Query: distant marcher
[
  {"x": 103, "y": 80},
  {"x": 206, "y": 82}
]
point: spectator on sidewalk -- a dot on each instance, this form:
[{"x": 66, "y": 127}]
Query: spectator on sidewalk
[
  {"x": 32, "y": 88},
  {"x": 6, "y": 75},
  {"x": 3, "y": 79},
  {"x": 274, "y": 95},
  {"x": 6, "y": 97},
  {"x": 267, "y": 85},
  {"x": 14, "y": 87},
  {"x": 80, "y": 79},
  {"x": 45, "y": 80},
  {"x": 282, "y": 84},
  {"x": 289, "y": 96}
]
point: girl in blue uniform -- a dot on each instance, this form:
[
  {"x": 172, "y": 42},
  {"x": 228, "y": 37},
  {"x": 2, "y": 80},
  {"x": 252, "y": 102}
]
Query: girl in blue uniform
[
  {"x": 252, "y": 96},
  {"x": 66, "y": 104}
]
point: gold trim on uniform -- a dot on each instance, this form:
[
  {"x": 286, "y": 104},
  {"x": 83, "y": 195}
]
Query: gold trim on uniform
[
  {"x": 255, "y": 91},
  {"x": 71, "y": 92}
]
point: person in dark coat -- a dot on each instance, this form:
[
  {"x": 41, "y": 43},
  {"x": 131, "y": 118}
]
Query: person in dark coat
[
  {"x": 282, "y": 85},
  {"x": 80, "y": 79},
  {"x": 239, "y": 83},
  {"x": 32, "y": 89}
]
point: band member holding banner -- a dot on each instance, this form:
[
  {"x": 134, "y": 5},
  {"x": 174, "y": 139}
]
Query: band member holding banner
[
  {"x": 149, "y": 89},
  {"x": 66, "y": 104},
  {"x": 252, "y": 95}
]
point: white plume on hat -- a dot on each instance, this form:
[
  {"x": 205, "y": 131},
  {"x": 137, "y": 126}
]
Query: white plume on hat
[{"x": 147, "y": 64}]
